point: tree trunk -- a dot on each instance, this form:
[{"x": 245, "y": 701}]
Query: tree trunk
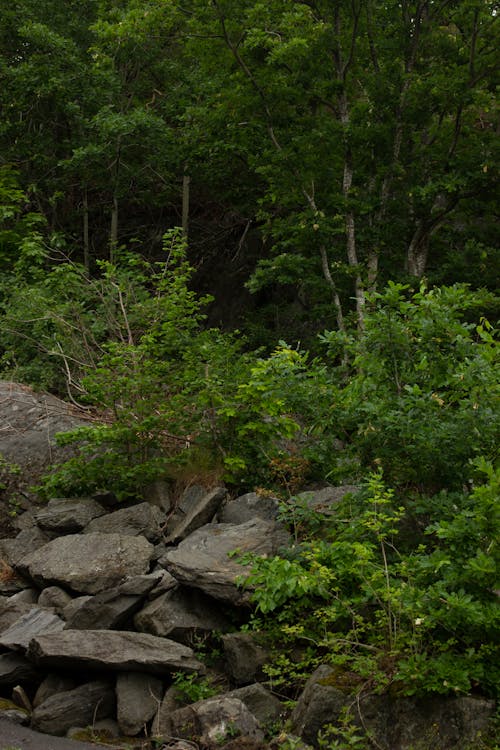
[
  {"x": 113, "y": 235},
  {"x": 86, "y": 239},
  {"x": 185, "y": 205}
]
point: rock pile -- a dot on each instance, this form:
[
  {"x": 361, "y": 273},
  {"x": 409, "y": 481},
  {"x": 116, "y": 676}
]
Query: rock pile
[{"x": 101, "y": 607}]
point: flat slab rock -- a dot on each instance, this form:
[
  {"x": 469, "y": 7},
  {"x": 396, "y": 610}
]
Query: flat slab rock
[
  {"x": 88, "y": 563},
  {"x": 121, "y": 651},
  {"x": 203, "y": 559}
]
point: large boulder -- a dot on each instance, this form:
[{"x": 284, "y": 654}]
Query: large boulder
[
  {"x": 203, "y": 559},
  {"x": 68, "y": 515},
  {"x": 144, "y": 519},
  {"x": 138, "y": 696},
  {"x": 35, "y": 622},
  {"x": 88, "y": 563},
  {"x": 29, "y": 422},
  {"x": 191, "y": 516}
]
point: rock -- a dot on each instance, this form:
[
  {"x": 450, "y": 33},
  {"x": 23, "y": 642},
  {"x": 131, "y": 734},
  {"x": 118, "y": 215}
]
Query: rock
[
  {"x": 55, "y": 597},
  {"x": 260, "y": 702},
  {"x": 80, "y": 706},
  {"x": 15, "y": 668},
  {"x": 440, "y": 722},
  {"x": 214, "y": 720},
  {"x": 202, "y": 560},
  {"x": 200, "y": 512},
  {"x": 68, "y": 515},
  {"x": 245, "y": 657},
  {"x": 51, "y": 685},
  {"x": 158, "y": 493},
  {"x": 28, "y": 423},
  {"x": 28, "y": 596},
  {"x": 325, "y": 499},
  {"x": 180, "y": 613},
  {"x": 144, "y": 519},
  {"x": 249, "y": 506},
  {"x": 11, "y": 610},
  {"x": 110, "y": 609},
  {"x": 35, "y": 622},
  {"x": 172, "y": 700},
  {"x": 74, "y": 606},
  {"x": 138, "y": 698},
  {"x": 121, "y": 651},
  {"x": 88, "y": 563},
  {"x": 13, "y": 550}
]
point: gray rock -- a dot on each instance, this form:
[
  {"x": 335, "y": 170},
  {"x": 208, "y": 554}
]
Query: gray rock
[
  {"x": 200, "y": 513},
  {"x": 214, "y": 720},
  {"x": 28, "y": 423},
  {"x": 55, "y": 597},
  {"x": 439, "y": 722},
  {"x": 35, "y": 622},
  {"x": 260, "y": 702},
  {"x": 249, "y": 506},
  {"x": 202, "y": 560},
  {"x": 13, "y": 550},
  {"x": 121, "y": 651},
  {"x": 325, "y": 499},
  {"x": 180, "y": 613},
  {"x": 73, "y": 606},
  {"x": 138, "y": 698},
  {"x": 29, "y": 596},
  {"x": 88, "y": 563},
  {"x": 245, "y": 657},
  {"x": 158, "y": 493},
  {"x": 183, "y": 506},
  {"x": 144, "y": 519},
  {"x": 80, "y": 706},
  {"x": 16, "y": 715},
  {"x": 11, "y": 610},
  {"x": 166, "y": 583},
  {"x": 51, "y": 685},
  {"x": 15, "y": 668},
  {"x": 172, "y": 701},
  {"x": 68, "y": 515},
  {"x": 110, "y": 609}
]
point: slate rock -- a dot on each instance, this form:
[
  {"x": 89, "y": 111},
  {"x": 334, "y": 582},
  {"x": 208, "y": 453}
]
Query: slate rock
[
  {"x": 121, "y": 651},
  {"x": 13, "y": 550},
  {"x": 244, "y": 656},
  {"x": 180, "y": 613},
  {"x": 324, "y": 500},
  {"x": 55, "y": 597},
  {"x": 80, "y": 706},
  {"x": 28, "y": 596},
  {"x": 260, "y": 702},
  {"x": 88, "y": 563},
  {"x": 11, "y": 610},
  {"x": 249, "y": 506},
  {"x": 214, "y": 720},
  {"x": 202, "y": 560},
  {"x": 200, "y": 513},
  {"x": 35, "y": 622},
  {"x": 73, "y": 606},
  {"x": 68, "y": 515},
  {"x": 52, "y": 684},
  {"x": 16, "y": 668},
  {"x": 144, "y": 519},
  {"x": 138, "y": 696}
]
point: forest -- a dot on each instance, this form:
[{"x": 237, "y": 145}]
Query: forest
[{"x": 257, "y": 243}]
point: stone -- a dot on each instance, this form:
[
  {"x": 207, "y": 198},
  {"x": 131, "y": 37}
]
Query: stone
[
  {"x": 181, "y": 613},
  {"x": 325, "y": 499},
  {"x": 440, "y": 722},
  {"x": 28, "y": 596},
  {"x": 68, "y": 515},
  {"x": 111, "y": 609},
  {"x": 172, "y": 700},
  {"x": 121, "y": 651},
  {"x": 74, "y": 606},
  {"x": 29, "y": 422},
  {"x": 11, "y": 610},
  {"x": 138, "y": 697},
  {"x": 260, "y": 702},
  {"x": 214, "y": 720},
  {"x": 13, "y": 550},
  {"x": 249, "y": 506},
  {"x": 80, "y": 706},
  {"x": 35, "y": 622},
  {"x": 200, "y": 513},
  {"x": 51, "y": 685},
  {"x": 202, "y": 560},
  {"x": 55, "y": 597},
  {"x": 144, "y": 519},
  {"x": 244, "y": 656},
  {"x": 88, "y": 563},
  {"x": 15, "y": 668}
]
